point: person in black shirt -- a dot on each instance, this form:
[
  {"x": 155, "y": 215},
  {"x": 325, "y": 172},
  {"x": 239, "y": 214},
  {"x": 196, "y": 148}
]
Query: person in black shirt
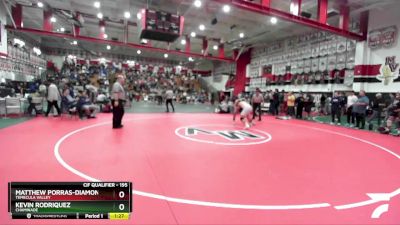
[
  {"x": 308, "y": 104},
  {"x": 282, "y": 101},
  {"x": 299, "y": 106},
  {"x": 336, "y": 107},
  {"x": 322, "y": 104},
  {"x": 378, "y": 104},
  {"x": 275, "y": 101}
]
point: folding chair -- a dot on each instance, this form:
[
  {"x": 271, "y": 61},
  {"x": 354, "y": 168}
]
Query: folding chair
[{"x": 13, "y": 105}]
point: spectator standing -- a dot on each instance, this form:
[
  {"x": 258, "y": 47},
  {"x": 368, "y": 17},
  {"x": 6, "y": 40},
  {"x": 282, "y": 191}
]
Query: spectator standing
[
  {"x": 360, "y": 109},
  {"x": 284, "y": 104},
  {"x": 290, "y": 104},
  {"x": 269, "y": 98},
  {"x": 52, "y": 98},
  {"x": 275, "y": 102},
  {"x": 351, "y": 99},
  {"x": 282, "y": 101},
  {"x": 308, "y": 104},
  {"x": 322, "y": 104},
  {"x": 336, "y": 108},
  {"x": 299, "y": 106}
]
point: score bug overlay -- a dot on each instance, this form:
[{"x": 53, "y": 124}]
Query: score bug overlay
[{"x": 70, "y": 200}]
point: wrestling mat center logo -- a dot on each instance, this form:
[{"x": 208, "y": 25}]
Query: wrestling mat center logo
[{"x": 222, "y": 135}]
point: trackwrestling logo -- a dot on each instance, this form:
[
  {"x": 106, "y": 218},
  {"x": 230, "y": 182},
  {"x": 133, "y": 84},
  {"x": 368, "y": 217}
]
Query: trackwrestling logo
[{"x": 222, "y": 135}]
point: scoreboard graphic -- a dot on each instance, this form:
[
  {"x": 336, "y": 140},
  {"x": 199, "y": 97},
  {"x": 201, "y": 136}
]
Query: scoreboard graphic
[{"x": 70, "y": 200}]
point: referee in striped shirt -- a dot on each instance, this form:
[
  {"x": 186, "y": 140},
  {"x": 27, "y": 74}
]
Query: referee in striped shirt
[
  {"x": 256, "y": 100},
  {"x": 118, "y": 100}
]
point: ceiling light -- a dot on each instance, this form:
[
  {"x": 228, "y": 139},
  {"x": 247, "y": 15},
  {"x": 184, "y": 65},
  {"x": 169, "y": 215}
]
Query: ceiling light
[
  {"x": 105, "y": 36},
  {"x": 193, "y": 34},
  {"x": 215, "y": 47},
  {"x": 183, "y": 42},
  {"x": 241, "y": 35},
  {"x": 144, "y": 41},
  {"x": 202, "y": 27},
  {"x": 127, "y": 15},
  {"x": 97, "y": 4},
  {"x": 197, "y": 3},
  {"x": 191, "y": 59},
  {"x": 62, "y": 29},
  {"x": 53, "y": 19},
  {"x": 74, "y": 43},
  {"x": 274, "y": 20},
  {"x": 139, "y": 15},
  {"x": 226, "y": 8},
  {"x": 40, "y": 4},
  {"x": 100, "y": 15},
  {"x": 108, "y": 47},
  {"x": 165, "y": 55},
  {"x": 138, "y": 52}
]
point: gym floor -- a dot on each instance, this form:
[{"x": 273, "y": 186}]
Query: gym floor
[{"x": 203, "y": 168}]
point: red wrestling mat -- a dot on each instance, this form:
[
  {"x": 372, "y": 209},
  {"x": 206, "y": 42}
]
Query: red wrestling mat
[{"x": 205, "y": 169}]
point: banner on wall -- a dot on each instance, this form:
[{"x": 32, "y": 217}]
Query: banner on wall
[
  {"x": 384, "y": 37},
  {"x": 349, "y": 78},
  {"x": 389, "y": 71},
  {"x": 3, "y": 32}
]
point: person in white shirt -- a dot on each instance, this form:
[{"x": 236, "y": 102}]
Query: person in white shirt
[
  {"x": 351, "y": 99},
  {"x": 52, "y": 99},
  {"x": 169, "y": 96},
  {"x": 245, "y": 114}
]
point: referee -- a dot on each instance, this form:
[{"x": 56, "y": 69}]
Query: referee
[
  {"x": 118, "y": 99},
  {"x": 257, "y": 99}
]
